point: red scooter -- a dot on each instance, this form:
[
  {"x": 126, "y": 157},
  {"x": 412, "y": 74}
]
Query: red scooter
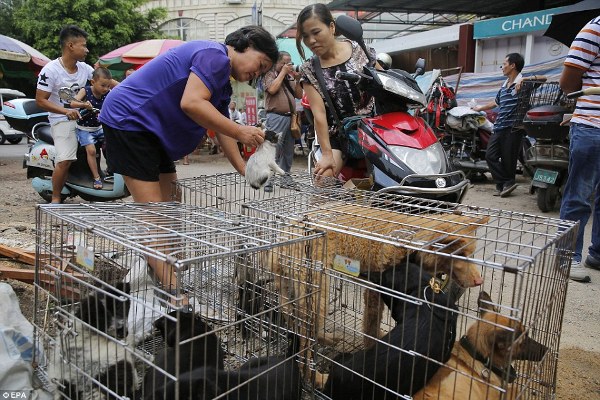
[{"x": 401, "y": 152}]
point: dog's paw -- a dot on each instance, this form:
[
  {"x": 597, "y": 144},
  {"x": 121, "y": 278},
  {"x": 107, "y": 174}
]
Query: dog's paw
[{"x": 320, "y": 380}]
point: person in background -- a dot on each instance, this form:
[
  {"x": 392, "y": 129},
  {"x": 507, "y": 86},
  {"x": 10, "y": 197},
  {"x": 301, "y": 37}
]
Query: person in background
[
  {"x": 281, "y": 91},
  {"x": 68, "y": 70},
  {"x": 129, "y": 72},
  {"x": 89, "y": 130},
  {"x": 243, "y": 117},
  {"x": 234, "y": 114},
  {"x": 503, "y": 147},
  {"x": 316, "y": 29},
  {"x": 162, "y": 111},
  {"x": 581, "y": 71}
]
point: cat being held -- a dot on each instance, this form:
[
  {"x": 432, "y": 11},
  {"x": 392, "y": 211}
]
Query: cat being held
[{"x": 262, "y": 165}]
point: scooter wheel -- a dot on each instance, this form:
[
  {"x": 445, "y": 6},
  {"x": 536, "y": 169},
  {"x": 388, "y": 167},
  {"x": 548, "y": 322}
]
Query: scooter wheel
[{"x": 546, "y": 198}]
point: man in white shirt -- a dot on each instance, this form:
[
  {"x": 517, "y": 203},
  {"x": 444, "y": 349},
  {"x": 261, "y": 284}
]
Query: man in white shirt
[{"x": 69, "y": 70}]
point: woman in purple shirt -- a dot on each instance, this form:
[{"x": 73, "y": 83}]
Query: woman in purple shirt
[{"x": 160, "y": 113}]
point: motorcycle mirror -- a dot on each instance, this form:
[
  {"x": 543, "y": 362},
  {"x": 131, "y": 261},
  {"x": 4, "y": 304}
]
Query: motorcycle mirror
[
  {"x": 352, "y": 29},
  {"x": 420, "y": 67},
  {"x": 65, "y": 94}
]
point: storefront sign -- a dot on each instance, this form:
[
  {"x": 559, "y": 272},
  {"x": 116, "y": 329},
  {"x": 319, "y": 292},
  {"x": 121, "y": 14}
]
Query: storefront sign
[{"x": 515, "y": 24}]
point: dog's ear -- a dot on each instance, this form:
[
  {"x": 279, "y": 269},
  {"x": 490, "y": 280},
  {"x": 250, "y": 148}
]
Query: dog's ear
[{"x": 485, "y": 303}]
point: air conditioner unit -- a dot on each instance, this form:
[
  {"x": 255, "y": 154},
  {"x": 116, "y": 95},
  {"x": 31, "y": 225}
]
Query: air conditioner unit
[{"x": 233, "y": 1}]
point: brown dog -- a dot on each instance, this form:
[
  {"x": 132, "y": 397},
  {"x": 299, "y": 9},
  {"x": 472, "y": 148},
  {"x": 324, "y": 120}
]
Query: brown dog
[
  {"x": 430, "y": 238},
  {"x": 480, "y": 361},
  {"x": 418, "y": 235}
]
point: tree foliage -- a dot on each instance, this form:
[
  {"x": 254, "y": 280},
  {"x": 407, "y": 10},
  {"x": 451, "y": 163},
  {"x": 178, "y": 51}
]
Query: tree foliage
[
  {"x": 7, "y": 26},
  {"x": 109, "y": 23}
]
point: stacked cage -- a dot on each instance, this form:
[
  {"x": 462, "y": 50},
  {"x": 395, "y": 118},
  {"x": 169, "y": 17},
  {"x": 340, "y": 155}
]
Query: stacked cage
[
  {"x": 427, "y": 299},
  {"x": 160, "y": 301}
]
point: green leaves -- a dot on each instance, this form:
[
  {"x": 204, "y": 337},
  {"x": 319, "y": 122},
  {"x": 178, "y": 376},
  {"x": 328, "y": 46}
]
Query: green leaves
[{"x": 109, "y": 23}]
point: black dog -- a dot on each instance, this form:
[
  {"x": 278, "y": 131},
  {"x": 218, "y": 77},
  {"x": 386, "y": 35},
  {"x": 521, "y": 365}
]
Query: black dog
[
  {"x": 263, "y": 378},
  {"x": 253, "y": 298},
  {"x": 105, "y": 359},
  {"x": 428, "y": 330},
  {"x": 206, "y": 351}
]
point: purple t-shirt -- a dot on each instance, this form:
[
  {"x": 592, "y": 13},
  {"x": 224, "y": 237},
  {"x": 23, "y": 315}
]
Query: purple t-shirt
[{"x": 149, "y": 100}]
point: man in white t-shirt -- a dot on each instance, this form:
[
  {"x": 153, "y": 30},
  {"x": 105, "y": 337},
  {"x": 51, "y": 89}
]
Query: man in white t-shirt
[{"x": 70, "y": 71}]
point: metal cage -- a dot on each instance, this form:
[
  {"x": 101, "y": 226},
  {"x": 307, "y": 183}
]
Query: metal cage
[
  {"x": 534, "y": 94},
  {"x": 523, "y": 260},
  {"x": 113, "y": 328}
]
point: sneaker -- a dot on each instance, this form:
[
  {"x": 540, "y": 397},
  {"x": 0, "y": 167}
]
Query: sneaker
[
  {"x": 592, "y": 262},
  {"x": 508, "y": 190},
  {"x": 578, "y": 273}
]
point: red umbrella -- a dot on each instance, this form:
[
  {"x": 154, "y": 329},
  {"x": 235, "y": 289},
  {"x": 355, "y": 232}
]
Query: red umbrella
[{"x": 135, "y": 55}]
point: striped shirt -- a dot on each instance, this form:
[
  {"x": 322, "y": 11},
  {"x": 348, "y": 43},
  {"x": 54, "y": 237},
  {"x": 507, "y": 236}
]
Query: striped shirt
[
  {"x": 507, "y": 99},
  {"x": 585, "y": 54}
]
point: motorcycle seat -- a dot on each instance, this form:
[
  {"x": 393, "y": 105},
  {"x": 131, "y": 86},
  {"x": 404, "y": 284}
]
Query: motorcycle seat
[{"x": 45, "y": 133}]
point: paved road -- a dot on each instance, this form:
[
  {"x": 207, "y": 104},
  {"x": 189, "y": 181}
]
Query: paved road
[{"x": 13, "y": 151}]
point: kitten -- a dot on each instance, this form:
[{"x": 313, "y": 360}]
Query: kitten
[{"x": 261, "y": 165}]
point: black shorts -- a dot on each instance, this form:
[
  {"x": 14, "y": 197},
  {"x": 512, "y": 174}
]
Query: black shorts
[{"x": 139, "y": 155}]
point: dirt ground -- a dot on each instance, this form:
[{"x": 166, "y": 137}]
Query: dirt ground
[{"x": 579, "y": 357}]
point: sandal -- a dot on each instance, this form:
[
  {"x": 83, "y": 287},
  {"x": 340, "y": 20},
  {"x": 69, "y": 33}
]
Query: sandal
[{"x": 97, "y": 183}]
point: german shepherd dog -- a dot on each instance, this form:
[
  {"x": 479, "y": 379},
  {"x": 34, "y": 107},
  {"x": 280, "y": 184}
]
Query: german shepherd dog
[
  {"x": 482, "y": 358},
  {"x": 88, "y": 342},
  {"x": 426, "y": 328}
]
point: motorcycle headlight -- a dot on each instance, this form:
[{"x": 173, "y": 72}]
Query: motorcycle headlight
[
  {"x": 428, "y": 161},
  {"x": 400, "y": 88}
]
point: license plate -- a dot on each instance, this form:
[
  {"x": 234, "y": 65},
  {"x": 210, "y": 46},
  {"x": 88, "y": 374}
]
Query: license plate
[{"x": 545, "y": 176}]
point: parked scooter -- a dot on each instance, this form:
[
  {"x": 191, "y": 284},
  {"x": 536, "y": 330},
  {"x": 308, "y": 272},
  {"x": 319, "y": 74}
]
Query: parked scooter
[
  {"x": 402, "y": 154},
  {"x": 39, "y": 162},
  {"x": 549, "y": 155}
]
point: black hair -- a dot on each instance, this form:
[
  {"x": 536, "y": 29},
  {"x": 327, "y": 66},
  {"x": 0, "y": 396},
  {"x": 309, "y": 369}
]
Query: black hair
[
  {"x": 517, "y": 59},
  {"x": 282, "y": 54},
  {"x": 256, "y": 37},
  {"x": 70, "y": 32},
  {"x": 318, "y": 10},
  {"x": 101, "y": 72}
]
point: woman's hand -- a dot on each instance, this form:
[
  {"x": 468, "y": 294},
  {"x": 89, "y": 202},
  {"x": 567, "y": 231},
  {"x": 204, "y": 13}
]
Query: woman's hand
[
  {"x": 326, "y": 165},
  {"x": 250, "y": 135}
]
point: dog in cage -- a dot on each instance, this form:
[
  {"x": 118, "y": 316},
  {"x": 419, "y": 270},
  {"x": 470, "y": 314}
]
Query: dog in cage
[
  {"x": 482, "y": 358},
  {"x": 92, "y": 340},
  {"x": 400, "y": 363},
  {"x": 261, "y": 165},
  {"x": 260, "y": 378},
  {"x": 190, "y": 338},
  {"x": 445, "y": 242}
]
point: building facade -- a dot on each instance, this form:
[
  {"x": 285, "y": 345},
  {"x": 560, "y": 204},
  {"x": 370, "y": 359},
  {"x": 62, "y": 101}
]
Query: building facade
[{"x": 215, "y": 19}]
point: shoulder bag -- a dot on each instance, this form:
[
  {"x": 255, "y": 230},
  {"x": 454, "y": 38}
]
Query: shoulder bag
[
  {"x": 346, "y": 130},
  {"x": 294, "y": 116}
]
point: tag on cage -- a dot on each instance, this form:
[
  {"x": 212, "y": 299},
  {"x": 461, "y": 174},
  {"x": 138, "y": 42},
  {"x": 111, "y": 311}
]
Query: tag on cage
[
  {"x": 346, "y": 265},
  {"x": 85, "y": 257}
]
